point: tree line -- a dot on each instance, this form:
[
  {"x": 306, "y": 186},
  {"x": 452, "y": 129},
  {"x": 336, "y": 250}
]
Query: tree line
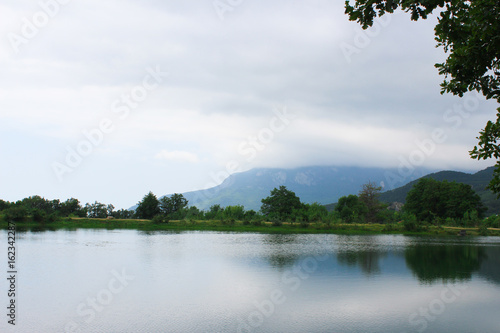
[{"x": 428, "y": 202}]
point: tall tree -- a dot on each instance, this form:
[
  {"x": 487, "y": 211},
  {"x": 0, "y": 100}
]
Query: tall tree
[
  {"x": 280, "y": 203},
  {"x": 369, "y": 195},
  {"x": 469, "y": 32},
  {"x": 149, "y": 207}
]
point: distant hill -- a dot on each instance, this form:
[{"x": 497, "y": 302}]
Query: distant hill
[
  {"x": 478, "y": 181},
  {"x": 322, "y": 184}
]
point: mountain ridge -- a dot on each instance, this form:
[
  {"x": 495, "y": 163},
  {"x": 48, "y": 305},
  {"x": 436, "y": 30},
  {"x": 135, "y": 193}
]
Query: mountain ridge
[{"x": 322, "y": 184}]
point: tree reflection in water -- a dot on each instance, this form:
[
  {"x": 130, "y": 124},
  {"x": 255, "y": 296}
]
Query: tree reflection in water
[
  {"x": 446, "y": 263},
  {"x": 368, "y": 261}
]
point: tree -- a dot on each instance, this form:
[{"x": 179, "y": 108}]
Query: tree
[
  {"x": 214, "y": 212},
  {"x": 430, "y": 199},
  {"x": 123, "y": 214},
  {"x": 96, "y": 210},
  {"x": 71, "y": 206},
  {"x": 316, "y": 212},
  {"x": 350, "y": 208},
  {"x": 173, "y": 204},
  {"x": 280, "y": 204},
  {"x": 469, "y": 32},
  {"x": 149, "y": 207},
  {"x": 369, "y": 195},
  {"x": 4, "y": 205}
]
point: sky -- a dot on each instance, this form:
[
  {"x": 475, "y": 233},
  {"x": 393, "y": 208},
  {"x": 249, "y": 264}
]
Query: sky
[{"x": 106, "y": 101}]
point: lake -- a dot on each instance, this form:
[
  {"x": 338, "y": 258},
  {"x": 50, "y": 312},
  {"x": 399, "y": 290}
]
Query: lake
[{"x": 135, "y": 281}]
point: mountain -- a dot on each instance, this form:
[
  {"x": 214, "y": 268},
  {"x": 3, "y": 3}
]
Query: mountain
[
  {"x": 478, "y": 181},
  {"x": 322, "y": 184}
]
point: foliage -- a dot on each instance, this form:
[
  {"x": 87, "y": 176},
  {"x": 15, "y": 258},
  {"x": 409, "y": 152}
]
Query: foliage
[
  {"x": 4, "y": 205},
  {"x": 159, "y": 219},
  {"x": 410, "y": 223},
  {"x": 72, "y": 206},
  {"x": 316, "y": 212},
  {"x": 280, "y": 203},
  {"x": 15, "y": 214},
  {"x": 123, "y": 214},
  {"x": 369, "y": 196},
  {"x": 171, "y": 206},
  {"x": 469, "y": 32},
  {"x": 234, "y": 212},
  {"x": 148, "y": 207},
  {"x": 193, "y": 213},
  {"x": 214, "y": 212},
  {"x": 350, "y": 208},
  {"x": 430, "y": 199},
  {"x": 96, "y": 210}
]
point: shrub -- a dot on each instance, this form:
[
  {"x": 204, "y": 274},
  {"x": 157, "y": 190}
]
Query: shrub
[
  {"x": 15, "y": 214},
  {"x": 257, "y": 222},
  {"x": 159, "y": 219},
  {"x": 483, "y": 229},
  {"x": 277, "y": 222},
  {"x": 39, "y": 215},
  {"x": 410, "y": 223},
  {"x": 390, "y": 227}
]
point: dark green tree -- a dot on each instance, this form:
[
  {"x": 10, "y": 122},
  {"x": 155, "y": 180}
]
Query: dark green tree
[
  {"x": 4, "y": 205},
  {"x": 123, "y": 214},
  {"x": 214, "y": 212},
  {"x": 469, "y": 32},
  {"x": 316, "y": 212},
  {"x": 234, "y": 212},
  {"x": 148, "y": 207},
  {"x": 280, "y": 204},
  {"x": 71, "y": 206},
  {"x": 430, "y": 199},
  {"x": 350, "y": 208},
  {"x": 96, "y": 210},
  {"x": 173, "y": 204}
]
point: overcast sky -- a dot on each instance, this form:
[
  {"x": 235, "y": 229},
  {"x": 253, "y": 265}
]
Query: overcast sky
[{"x": 107, "y": 100}]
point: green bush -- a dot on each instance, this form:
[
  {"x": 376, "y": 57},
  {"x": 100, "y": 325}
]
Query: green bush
[
  {"x": 160, "y": 219},
  {"x": 390, "y": 227},
  {"x": 277, "y": 222},
  {"x": 15, "y": 214},
  {"x": 483, "y": 229},
  {"x": 257, "y": 222},
  {"x": 39, "y": 215},
  {"x": 410, "y": 223}
]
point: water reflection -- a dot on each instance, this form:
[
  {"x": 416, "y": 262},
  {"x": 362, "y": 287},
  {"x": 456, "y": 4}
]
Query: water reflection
[
  {"x": 277, "y": 248},
  {"x": 446, "y": 263},
  {"x": 490, "y": 268},
  {"x": 368, "y": 261}
]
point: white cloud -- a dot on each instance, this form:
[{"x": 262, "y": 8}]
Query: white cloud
[
  {"x": 224, "y": 79},
  {"x": 177, "y": 156}
]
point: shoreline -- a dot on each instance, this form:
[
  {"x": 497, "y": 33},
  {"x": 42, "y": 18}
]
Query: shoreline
[{"x": 238, "y": 226}]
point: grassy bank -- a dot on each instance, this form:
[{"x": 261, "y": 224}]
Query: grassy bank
[{"x": 238, "y": 226}]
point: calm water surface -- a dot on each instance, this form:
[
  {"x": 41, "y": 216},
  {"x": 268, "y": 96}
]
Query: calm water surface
[{"x": 132, "y": 281}]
